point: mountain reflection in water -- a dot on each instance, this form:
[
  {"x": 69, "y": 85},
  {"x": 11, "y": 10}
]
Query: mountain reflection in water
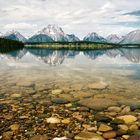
[{"x": 57, "y": 57}]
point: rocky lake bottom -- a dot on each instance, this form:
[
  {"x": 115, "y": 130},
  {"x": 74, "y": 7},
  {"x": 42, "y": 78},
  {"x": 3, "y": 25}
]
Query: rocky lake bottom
[{"x": 70, "y": 95}]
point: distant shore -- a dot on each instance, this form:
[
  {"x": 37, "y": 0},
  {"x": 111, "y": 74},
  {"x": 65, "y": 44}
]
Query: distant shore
[{"x": 72, "y": 45}]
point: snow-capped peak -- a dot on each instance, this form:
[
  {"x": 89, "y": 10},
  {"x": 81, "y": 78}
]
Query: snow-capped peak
[
  {"x": 132, "y": 37},
  {"x": 92, "y": 34},
  {"x": 55, "y": 32},
  {"x": 12, "y": 32},
  {"x": 51, "y": 29},
  {"x": 14, "y": 35},
  {"x": 113, "y": 38},
  {"x": 94, "y": 37}
]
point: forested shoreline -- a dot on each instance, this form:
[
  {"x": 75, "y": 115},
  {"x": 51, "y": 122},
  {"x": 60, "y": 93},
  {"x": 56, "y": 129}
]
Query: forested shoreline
[{"x": 7, "y": 45}]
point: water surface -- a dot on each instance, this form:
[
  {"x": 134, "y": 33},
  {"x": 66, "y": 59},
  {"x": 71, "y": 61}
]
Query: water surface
[{"x": 39, "y": 69}]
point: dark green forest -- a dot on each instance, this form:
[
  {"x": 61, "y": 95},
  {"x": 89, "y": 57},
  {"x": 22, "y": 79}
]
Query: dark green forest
[{"x": 7, "y": 45}]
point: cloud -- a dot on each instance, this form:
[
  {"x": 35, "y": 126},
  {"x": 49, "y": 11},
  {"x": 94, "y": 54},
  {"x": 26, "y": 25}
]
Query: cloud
[
  {"x": 74, "y": 16},
  {"x": 19, "y": 26},
  {"x": 135, "y": 13}
]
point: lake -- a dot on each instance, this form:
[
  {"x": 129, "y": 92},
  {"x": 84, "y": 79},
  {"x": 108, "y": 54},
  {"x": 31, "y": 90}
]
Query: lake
[{"x": 36, "y": 83}]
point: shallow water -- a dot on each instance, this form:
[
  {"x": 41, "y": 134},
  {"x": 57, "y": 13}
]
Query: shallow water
[
  {"x": 119, "y": 68},
  {"x": 36, "y": 84}
]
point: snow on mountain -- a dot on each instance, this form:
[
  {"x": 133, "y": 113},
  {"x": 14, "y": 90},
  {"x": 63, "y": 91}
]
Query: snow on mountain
[
  {"x": 55, "y": 32},
  {"x": 94, "y": 37},
  {"x": 53, "y": 57},
  {"x": 72, "y": 38},
  {"x": 14, "y": 35},
  {"x": 40, "y": 38},
  {"x": 113, "y": 38},
  {"x": 132, "y": 38}
]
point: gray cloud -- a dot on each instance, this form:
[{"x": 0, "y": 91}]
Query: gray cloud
[
  {"x": 74, "y": 16},
  {"x": 136, "y": 13}
]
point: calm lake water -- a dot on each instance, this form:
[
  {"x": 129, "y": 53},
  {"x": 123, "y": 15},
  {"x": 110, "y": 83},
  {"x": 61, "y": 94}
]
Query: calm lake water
[
  {"x": 34, "y": 70},
  {"x": 36, "y": 84}
]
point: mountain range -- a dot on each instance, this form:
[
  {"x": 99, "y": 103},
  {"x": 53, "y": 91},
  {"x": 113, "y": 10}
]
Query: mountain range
[{"x": 53, "y": 33}]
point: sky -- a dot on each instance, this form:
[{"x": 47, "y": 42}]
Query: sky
[{"x": 74, "y": 16}]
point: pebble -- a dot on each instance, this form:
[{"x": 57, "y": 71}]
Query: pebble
[
  {"x": 98, "y": 86},
  {"x": 125, "y": 136},
  {"x": 88, "y": 136},
  {"x": 59, "y": 101},
  {"x": 62, "y": 138},
  {"x": 39, "y": 137},
  {"x": 109, "y": 135},
  {"x": 90, "y": 129},
  {"x": 16, "y": 95},
  {"x": 7, "y": 135},
  {"x": 123, "y": 127},
  {"x": 128, "y": 118},
  {"x": 126, "y": 110},
  {"x": 14, "y": 127},
  {"x": 68, "y": 105},
  {"x": 104, "y": 128},
  {"x": 102, "y": 118},
  {"x": 66, "y": 121},
  {"x": 57, "y": 91},
  {"x": 53, "y": 120},
  {"x": 114, "y": 109},
  {"x": 137, "y": 132},
  {"x": 135, "y": 137},
  {"x": 97, "y": 103},
  {"x": 133, "y": 127}
]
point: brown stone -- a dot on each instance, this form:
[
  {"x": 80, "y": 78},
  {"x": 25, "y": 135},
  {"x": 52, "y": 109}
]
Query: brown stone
[
  {"x": 15, "y": 127},
  {"x": 109, "y": 135},
  {"x": 39, "y": 137},
  {"x": 97, "y": 104},
  {"x": 135, "y": 137},
  {"x": 88, "y": 136},
  {"x": 7, "y": 135},
  {"x": 104, "y": 128}
]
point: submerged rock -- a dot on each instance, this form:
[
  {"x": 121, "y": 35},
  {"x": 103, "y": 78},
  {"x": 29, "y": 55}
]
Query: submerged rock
[
  {"x": 7, "y": 135},
  {"x": 62, "y": 138},
  {"x": 128, "y": 118},
  {"x": 66, "y": 121},
  {"x": 81, "y": 94},
  {"x": 133, "y": 127},
  {"x": 102, "y": 118},
  {"x": 134, "y": 104},
  {"x": 123, "y": 128},
  {"x": 67, "y": 97},
  {"x": 15, "y": 127},
  {"x": 97, "y": 104},
  {"x": 114, "y": 109},
  {"x": 59, "y": 101},
  {"x": 53, "y": 120},
  {"x": 88, "y": 136},
  {"x": 104, "y": 128},
  {"x": 135, "y": 137},
  {"x": 98, "y": 86},
  {"x": 57, "y": 91},
  {"x": 39, "y": 137},
  {"x": 126, "y": 110},
  {"x": 16, "y": 95},
  {"x": 25, "y": 84},
  {"x": 109, "y": 135}
]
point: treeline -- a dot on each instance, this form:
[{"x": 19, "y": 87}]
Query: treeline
[
  {"x": 68, "y": 43},
  {"x": 72, "y": 45},
  {"x": 7, "y": 45}
]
